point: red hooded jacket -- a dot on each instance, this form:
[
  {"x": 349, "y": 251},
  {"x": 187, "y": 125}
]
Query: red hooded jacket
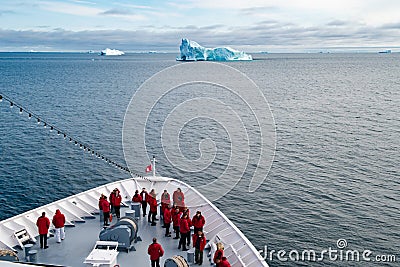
[
  {"x": 198, "y": 222},
  {"x": 153, "y": 204},
  {"x": 184, "y": 226},
  {"x": 137, "y": 198},
  {"x": 203, "y": 241},
  {"x": 105, "y": 205},
  {"x": 43, "y": 224},
  {"x": 219, "y": 253},
  {"x": 116, "y": 200},
  {"x": 59, "y": 219},
  {"x": 224, "y": 263},
  {"x": 165, "y": 198},
  {"x": 176, "y": 218},
  {"x": 167, "y": 216},
  {"x": 179, "y": 198},
  {"x": 155, "y": 251}
]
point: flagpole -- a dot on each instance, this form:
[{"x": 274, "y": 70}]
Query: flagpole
[{"x": 154, "y": 166}]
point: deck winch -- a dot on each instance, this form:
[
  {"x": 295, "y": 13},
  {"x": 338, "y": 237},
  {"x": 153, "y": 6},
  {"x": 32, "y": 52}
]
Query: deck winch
[
  {"x": 124, "y": 232},
  {"x": 176, "y": 261}
]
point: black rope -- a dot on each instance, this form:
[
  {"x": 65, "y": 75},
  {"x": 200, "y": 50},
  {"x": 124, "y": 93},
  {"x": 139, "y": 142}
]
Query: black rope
[{"x": 68, "y": 137}]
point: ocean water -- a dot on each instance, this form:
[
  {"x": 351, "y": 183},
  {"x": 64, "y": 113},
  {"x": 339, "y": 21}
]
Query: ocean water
[{"x": 335, "y": 174}]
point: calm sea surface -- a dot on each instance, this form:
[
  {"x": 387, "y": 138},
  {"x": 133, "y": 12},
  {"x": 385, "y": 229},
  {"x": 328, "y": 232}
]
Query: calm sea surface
[{"x": 335, "y": 174}]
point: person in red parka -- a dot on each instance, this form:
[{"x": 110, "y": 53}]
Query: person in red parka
[
  {"x": 176, "y": 220},
  {"x": 151, "y": 199},
  {"x": 179, "y": 198},
  {"x": 167, "y": 220},
  {"x": 224, "y": 263},
  {"x": 111, "y": 200},
  {"x": 184, "y": 230},
  {"x": 186, "y": 212},
  {"x": 199, "y": 242},
  {"x": 198, "y": 222},
  {"x": 155, "y": 251},
  {"x": 219, "y": 254},
  {"x": 116, "y": 203},
  {"x": 106, "y": 210},
  {"x": 43, "y": 224},
  {"x": 59, "y": 222},
  {"x": 137, "y": 198},
  {"x": 165, "y": 201}
]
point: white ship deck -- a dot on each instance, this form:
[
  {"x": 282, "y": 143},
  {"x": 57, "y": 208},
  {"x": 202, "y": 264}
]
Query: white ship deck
[{"x": 83, "y": 228}]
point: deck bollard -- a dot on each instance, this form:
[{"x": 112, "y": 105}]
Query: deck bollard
[
  {"x": 130, "y": 213},
  {"x": 27, "y": 248},
  {"x": 190, "y": 256},
  {"x": 136, "y": 207},
  {"x": 32, "y": 255}
]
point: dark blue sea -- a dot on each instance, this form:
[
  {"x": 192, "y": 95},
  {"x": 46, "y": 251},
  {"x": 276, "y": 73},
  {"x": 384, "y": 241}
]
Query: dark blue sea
[{"x": 335, "y": 175}]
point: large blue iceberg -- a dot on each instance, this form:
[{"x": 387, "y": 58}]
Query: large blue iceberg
[{"x": 192, "y": 51}]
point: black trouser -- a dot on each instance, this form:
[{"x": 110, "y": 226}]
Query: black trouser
[
  {"x": 117, "y": 211},
  {"x": 144, "y": 207},
  {"x": 43, "y": 241},
  {"x": 155, "y": 263},
  {"x": 182, "y": 241},
  {"x": 106, "y": 217},
  {"x": 176, "y": 229},
  {"x": 188, "y": 238},
  {"x": 153, "y": 216},
  {"x": 198, "y": 256},
  {"x": 167, "y": 225}
]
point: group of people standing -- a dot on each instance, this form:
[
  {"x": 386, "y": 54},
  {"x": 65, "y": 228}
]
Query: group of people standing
[
  {"x": 43, "y": 224},
  {"x": 178, "y": 215},
  {"x": 110, "y": 206}
]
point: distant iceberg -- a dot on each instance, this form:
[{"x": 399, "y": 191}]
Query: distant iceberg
[
  {"x": 111, "y": 52},
  {"x": 192, "y": 51}
]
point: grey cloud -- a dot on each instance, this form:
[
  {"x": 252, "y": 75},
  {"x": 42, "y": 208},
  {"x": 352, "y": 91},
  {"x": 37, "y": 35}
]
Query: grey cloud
[
  {"x": 270, "y": 34},
  {"x": 116, "y": 11},
  {"x": 391, "y": 26},
  {"x": 258, "y": 10},
  {"x": 338, "y": 23},
  {"x": 6, "y": 12}
]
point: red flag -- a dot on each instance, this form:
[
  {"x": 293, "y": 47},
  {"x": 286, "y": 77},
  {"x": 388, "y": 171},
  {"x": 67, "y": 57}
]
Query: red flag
[{"x": 149, "y": 168}]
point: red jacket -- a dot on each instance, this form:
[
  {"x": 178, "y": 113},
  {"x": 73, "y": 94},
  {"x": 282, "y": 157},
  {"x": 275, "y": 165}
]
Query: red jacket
[
  {"x": 100, "y": 203},
  {"x": 116, "y": 200},
  {"x": 203, "y": 241},
  {"x": 153, "y": 204},
  {"x": 184, "y": 226},
  {"x": 167, "y": 216},
  {"x": 59, "y": 219},
  {"x": 155, "y": 251},
  {"x": 198, "y": 222},
  {"x": 105, "y": 206},
  {"x": 137, "y": 198},
  {"x": 111, "y": 197},
  {"x": 43, "y": 224},
  {"x": 224, "y": 263},
  {"x": 165, "y": 198},
  {"x": 178, "y": 198},
  {"x": 176, "y": 218},
  {"x": 218, "y": 255}
]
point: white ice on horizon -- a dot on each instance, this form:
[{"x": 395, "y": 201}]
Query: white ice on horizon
[
  {"x": 192, "y": 51},
  {"x": 111, "y": 52}
]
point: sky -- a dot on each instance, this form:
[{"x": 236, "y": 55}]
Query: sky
[{"x": 150, "y": 25}]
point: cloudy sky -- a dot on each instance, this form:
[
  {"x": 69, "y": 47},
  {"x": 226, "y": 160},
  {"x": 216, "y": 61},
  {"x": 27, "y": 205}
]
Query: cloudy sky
[{"x": 250, "y": 25}]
